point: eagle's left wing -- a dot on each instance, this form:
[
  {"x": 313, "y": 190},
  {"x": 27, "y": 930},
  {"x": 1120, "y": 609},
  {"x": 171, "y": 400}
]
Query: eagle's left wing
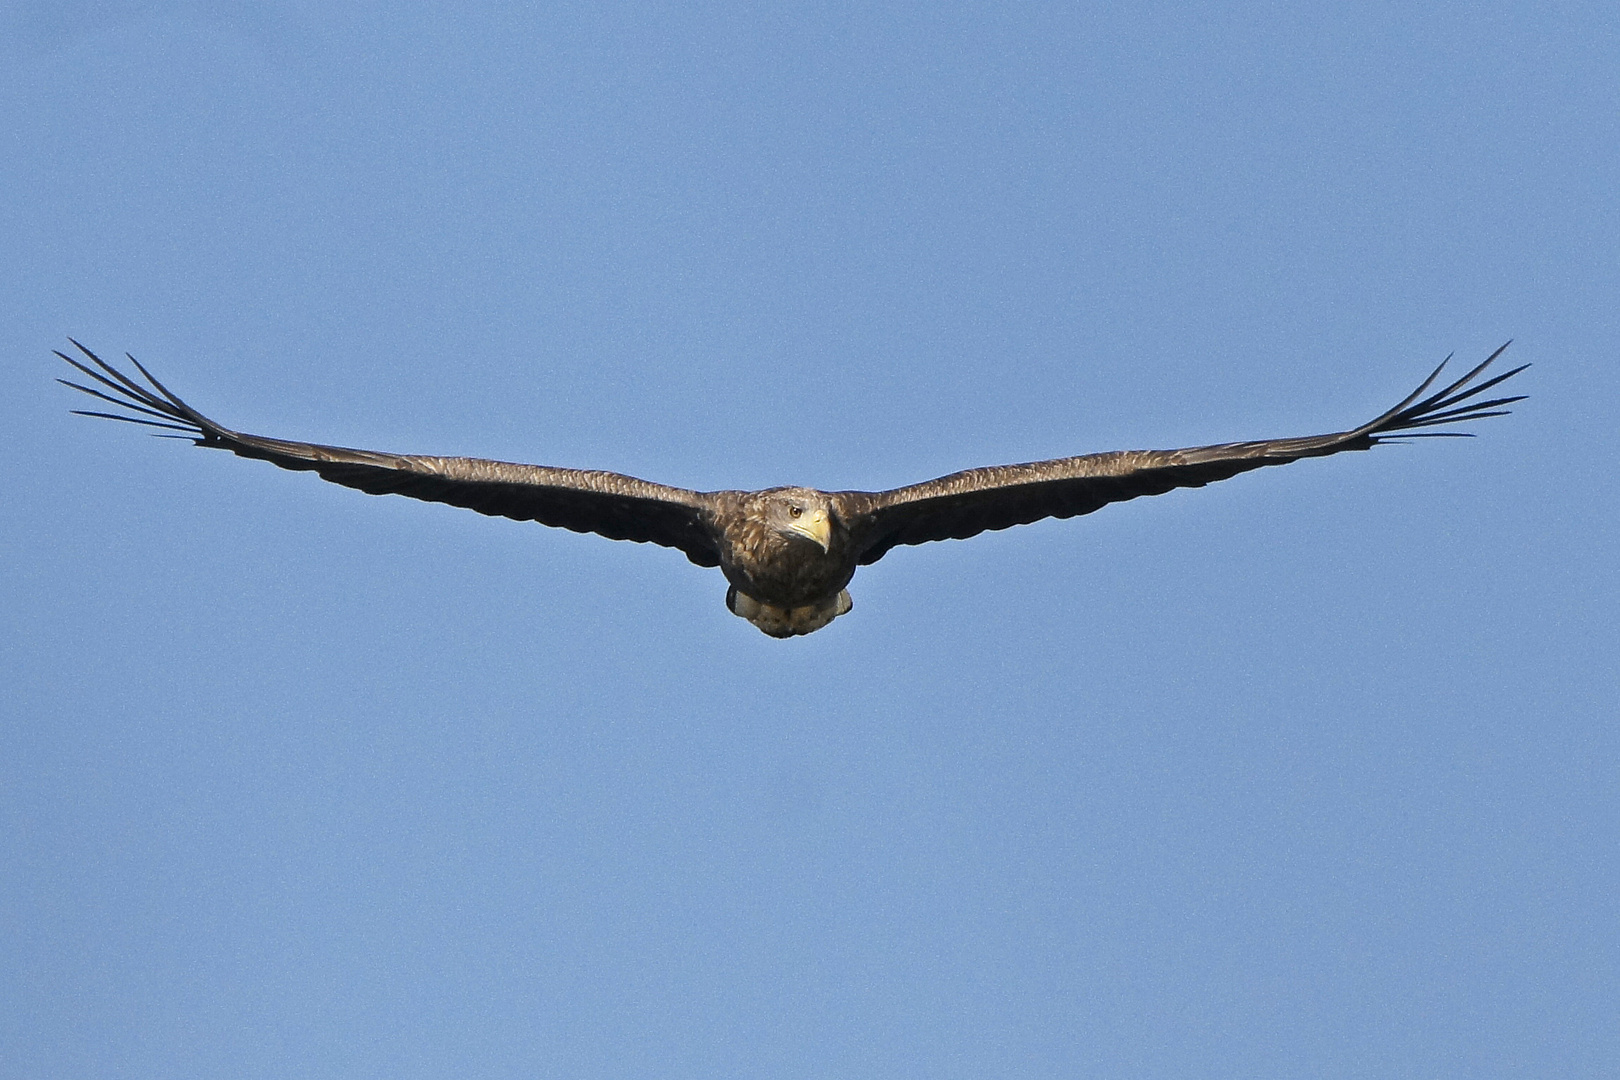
[
  {"x": 967, "y": 503},
  {"x": 606, "y": 503}
]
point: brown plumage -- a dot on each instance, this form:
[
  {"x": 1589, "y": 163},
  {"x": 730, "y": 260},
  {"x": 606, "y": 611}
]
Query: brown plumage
[{"x": 788, "y": 552}]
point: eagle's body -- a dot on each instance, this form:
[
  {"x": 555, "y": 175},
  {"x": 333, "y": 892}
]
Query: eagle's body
[
  {"x": 785, "y": 579},
  {"x": 788, "y": 552}
]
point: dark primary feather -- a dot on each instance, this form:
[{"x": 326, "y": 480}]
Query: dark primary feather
[
  {"x": 967, "y": 503},
  {"x": 618, "y": 507}
]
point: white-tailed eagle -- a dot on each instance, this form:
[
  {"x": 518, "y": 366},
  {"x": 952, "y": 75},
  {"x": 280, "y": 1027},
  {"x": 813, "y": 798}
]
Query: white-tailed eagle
[{"x": 788, "y": 552}]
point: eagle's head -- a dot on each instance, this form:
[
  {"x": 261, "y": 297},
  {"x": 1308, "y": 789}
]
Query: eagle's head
[{"x": 800, "y": 514}]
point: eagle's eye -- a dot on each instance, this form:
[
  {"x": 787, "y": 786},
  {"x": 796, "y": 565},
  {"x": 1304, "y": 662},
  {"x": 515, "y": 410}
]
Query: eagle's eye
[{"x": 795, "y": 510}]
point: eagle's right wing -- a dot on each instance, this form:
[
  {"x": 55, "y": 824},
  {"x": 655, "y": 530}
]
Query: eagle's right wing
[
  {"x": 967, "y": 503},
  {"x": 609, "y": 504}
]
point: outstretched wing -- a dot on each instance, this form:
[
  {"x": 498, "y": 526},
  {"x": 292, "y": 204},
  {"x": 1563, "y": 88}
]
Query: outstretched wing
[
  {"x": 967, "y": 503},
  {"x": 611, "y": 505}
]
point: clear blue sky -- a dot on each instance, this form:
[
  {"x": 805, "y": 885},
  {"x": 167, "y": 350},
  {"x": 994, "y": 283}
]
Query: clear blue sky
[{"x": 1314, "y": 772}]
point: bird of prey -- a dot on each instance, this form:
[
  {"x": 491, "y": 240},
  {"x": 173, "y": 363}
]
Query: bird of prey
[{"x": 787, "y": 552}]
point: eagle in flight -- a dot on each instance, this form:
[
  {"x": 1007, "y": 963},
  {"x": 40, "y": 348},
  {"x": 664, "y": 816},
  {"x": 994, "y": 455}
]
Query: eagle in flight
[{"x": 787, "y": 552}]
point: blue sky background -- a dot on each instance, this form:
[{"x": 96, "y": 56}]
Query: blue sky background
[{"x": 1311, "y": 773}]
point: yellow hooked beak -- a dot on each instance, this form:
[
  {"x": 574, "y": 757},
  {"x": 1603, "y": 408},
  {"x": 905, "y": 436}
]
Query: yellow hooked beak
[{"x": 816, "y": 526}]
